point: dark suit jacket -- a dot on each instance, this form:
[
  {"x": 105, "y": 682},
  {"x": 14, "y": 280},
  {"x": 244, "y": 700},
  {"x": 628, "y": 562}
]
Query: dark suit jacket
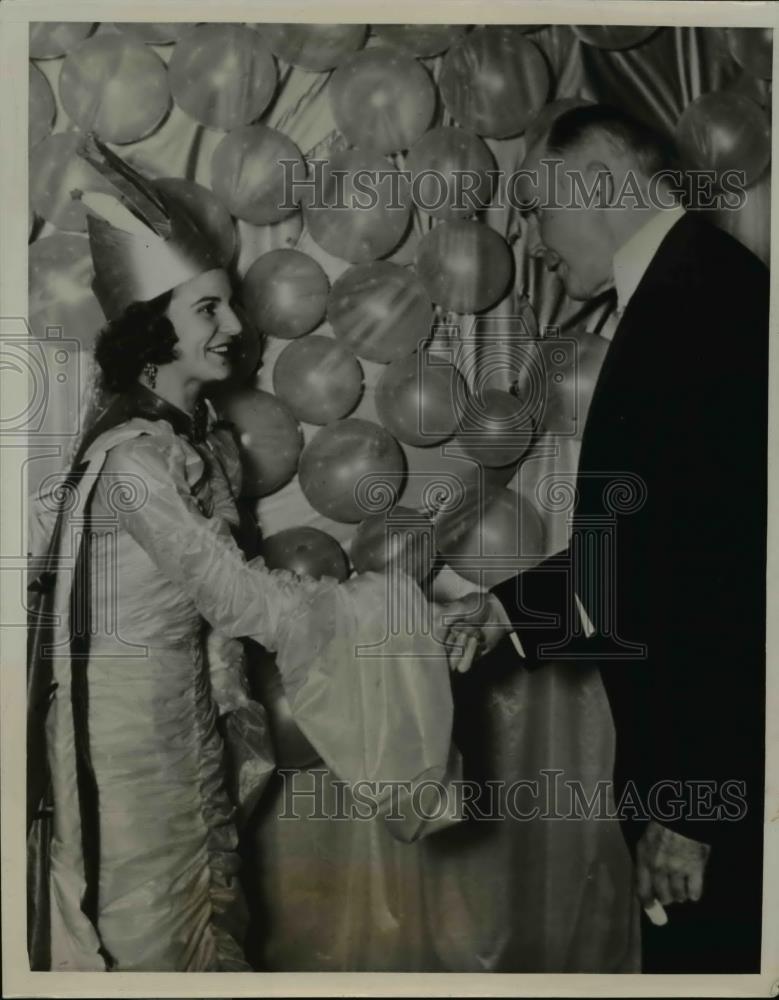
[{"x": 668, "y": 548}]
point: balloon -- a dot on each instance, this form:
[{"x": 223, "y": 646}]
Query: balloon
[
  {"x": 254, "y": 241},
  {"x": 270, "y": 439},
  {"x": 154, "y": 32},
  {"x": 351, "y": 468},
  {"x": 382, "y": 99},
  {"x": 285, "y": 292},
  {"x": 418, "y": 399},
  {"x": 402, "y": 539},
  {"x": 380, "y": 310},
  {"x": 61, "y": 274},
  {"x": 494, "y": 81},
  {"x": 318, "y": 378},
  {"x": 752, "y": 48},
  {"x": 222, "y": 75},
  {"x": 547, "y": 116},
  {"x": 43, "y": 109},
  {"x": 115, "y": 86},
  {"x": 336, "y": 219},
  {"x": 724, "y": 131},
  {"x": 488, "y": 549},
  {"x": 50, "y": 39},
  {"x": 55, "y": 172},
  {"x": 571, "y": 366},
  {"x": 248, "y": 176},
  {"x": 465, "y": 266},
  {"x": 612, "y": 36},
  {"x": 421, "y": 39},
  {"x": 315, "y": 47},
  {"x": 448, "y": 153},
  {"x": 210, "y": 215},
  {"x": 496, "y": 428},
  {"x": 307, "y": 552}
]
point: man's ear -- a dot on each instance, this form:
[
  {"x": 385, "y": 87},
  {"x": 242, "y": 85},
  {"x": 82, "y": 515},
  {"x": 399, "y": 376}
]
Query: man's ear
[{"x": 598, "y": 177}]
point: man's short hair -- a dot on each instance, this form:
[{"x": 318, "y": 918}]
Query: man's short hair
[{"x": 652, "y": 150}]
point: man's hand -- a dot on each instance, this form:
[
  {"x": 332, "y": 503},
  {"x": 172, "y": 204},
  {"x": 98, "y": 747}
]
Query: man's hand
[
  {"x": 478, "y": 617},
  {"x": 669, "y": 866}
]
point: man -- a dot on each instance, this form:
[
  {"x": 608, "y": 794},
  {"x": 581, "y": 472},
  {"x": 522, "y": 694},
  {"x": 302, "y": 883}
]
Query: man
[{"x": 663, "y": 583}]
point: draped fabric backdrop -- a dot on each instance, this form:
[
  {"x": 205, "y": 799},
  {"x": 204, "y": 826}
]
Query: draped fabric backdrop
[{"x": 518, "y": 895}]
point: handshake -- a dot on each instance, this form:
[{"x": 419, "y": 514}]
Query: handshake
[{"x": 470, "y": 627}]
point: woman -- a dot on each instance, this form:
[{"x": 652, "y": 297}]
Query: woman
[{"x": 143, "y": 864}]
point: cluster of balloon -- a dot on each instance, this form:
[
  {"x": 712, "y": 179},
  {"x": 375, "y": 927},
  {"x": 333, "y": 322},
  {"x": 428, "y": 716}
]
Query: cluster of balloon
[
  {"x": 486, "y": 547},
  {"x": 154, "y": 32},
  {"x": 248, "y": 173},
  {"x": 222, "y": 75},
  {"x": 116, "y": 86},
  {"x": 494, "y": 81},
  {"x": 381, "y": 311},
  {"x": 724, "y": 131},
  {"x": 439, "y": 161},
  {"x": 419, "y": 399},
  {"x": 401, "y": 538},
  {"x": 422, "y": 40},
  {"x": 208, "y": 212},
  {"x": 495, "y": 428},
  {"x": 318, "y": 378},
  {"x": 306, "y": 551},
  {"x": 612, "y": 36},
  {"x": 269, "y": 435},
  {"x": 61, "y": 275},
  {"x": 351, "y": 468},
  {"x": 285, "y": 292},
  {"x": 571, "y": 368},
  {"x": 752, "y": 48},
  {"x": 347, "y": 223},
  {"x": 313, "y": 47},
  {"x": 465, "y": 265},
  {"x": 43, "y": 108},
  {"x": 52, "y": 39},
  {"x": 382, "y": 99},
  {"x": 55, "y": 171}
]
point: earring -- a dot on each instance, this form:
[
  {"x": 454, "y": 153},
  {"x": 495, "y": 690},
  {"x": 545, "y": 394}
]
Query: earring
[{"x": 150, "y": 374}]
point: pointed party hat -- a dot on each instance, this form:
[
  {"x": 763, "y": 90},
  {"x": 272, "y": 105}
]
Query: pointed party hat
[{"x": 141, "y": 245}]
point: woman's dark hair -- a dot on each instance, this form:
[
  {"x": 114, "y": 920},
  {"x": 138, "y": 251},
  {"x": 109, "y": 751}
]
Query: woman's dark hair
[{"x": 143, "y": 334}]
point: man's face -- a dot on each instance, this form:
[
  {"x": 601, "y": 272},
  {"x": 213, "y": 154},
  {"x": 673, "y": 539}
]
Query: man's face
[{"x": 571, "y": 237}]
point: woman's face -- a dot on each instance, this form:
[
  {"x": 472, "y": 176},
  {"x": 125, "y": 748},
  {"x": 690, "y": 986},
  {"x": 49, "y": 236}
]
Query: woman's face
[{"x": 206, "y": 327}]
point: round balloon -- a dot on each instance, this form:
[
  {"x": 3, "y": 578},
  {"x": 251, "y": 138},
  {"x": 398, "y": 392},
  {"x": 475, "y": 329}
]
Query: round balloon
[
  {"x": 315, "y": 47},
  {"x": 248, "y": 176},
  {"x": 285, "y": 292},
  {"x": 450, "y": 171},
  {"x": 494, "y": 81},
  {"x": 43, "y": 109},
  {"x": 421, "y": 39},
  {"x": 382, "y": 99},
  {"x": 350, "y": 469},
  {"x": 222, "y": 75},
  {"x": 496, "y": 428},
  {"x": 347, "y": 222},
  {"x": 548, "y": 115},
  {"x": 488, "y": 549},
  {"x": 50, "y": 39},
  {"x": 419, "y": 399},
  {"x": 612, "y": 36},
  {"x": 465, "y": 266},
  {"x": 115, "y": 86},
  {"x": 306, "y": 551},
  {"x": 55, "y": 172},
  {"x": 380, "y": 310},
  {"x": 154, "y": 32},
  {"x": 208, "y": 212},
  {"x": 724, "y": 131},
  {"x": 270, "y": 439},
  {"x": 60, "y": 293},
  {"x": 318, "y": 378},
  {"x": 752, "y": 48},
  {"x": 400, "y": 539}
]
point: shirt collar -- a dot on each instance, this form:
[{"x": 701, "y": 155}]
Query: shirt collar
[{"x": 634, "y": 257}]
